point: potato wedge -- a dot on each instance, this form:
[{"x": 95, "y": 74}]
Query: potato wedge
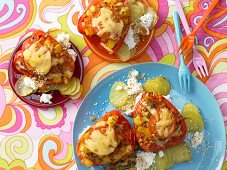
[{"x": 54, "y": 32}]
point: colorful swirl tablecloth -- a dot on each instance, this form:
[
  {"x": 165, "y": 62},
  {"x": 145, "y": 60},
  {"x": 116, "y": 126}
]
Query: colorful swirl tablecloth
[{"x": 33, "y": 138}]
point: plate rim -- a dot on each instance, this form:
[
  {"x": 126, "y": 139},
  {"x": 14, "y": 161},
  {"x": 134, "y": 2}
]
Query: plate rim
[
  {"x": 41, "y": 105},
  {"x": 132, "y": 66}
]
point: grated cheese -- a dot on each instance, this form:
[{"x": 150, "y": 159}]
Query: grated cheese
[
  {"x": 119, "y": 88},
  {"x": 160, "y": 154},
  {"x": 197, "y": 139},
  {"x": 144, "y": 160}
]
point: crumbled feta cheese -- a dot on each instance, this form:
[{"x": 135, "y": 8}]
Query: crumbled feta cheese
[
  {"x": 119, "y": 88},
  {"x": 160, "y": 154},
  {"x": 134, "y": 73},
  {"x": 72, "y": 53},
  {"x": 133, "y": 86},
  {"x": 30, "y": 83},
  {"x": 64, "y": 40},
  {"x": 130, "y": 40},
  {"x": 197, "y": 139},
  {"x": 146, "y": 21},
  {"x": 144, "y": 160},
  {"x": 45, "y": 98}
]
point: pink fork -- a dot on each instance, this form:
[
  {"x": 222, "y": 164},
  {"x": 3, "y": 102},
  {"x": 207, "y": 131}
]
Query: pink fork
[{"x": 198, "y": 61}]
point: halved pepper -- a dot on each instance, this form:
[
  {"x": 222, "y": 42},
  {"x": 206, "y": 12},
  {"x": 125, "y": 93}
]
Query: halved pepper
[
  {"x": 162, "y": 124},
  {"x": 85, "y": 23}
]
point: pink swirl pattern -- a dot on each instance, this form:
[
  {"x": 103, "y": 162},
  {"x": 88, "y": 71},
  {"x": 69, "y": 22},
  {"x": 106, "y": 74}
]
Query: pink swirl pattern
[
  {"x": 15, "y": 16},
  {"x": 218, "y": 88}
]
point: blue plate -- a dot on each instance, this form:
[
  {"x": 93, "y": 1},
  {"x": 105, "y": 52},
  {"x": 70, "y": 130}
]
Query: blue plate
[{"x": 209, "y": 155}]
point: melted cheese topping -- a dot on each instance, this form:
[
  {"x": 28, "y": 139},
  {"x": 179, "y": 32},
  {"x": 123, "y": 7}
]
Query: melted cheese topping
[
  {"x": 164, "y": 122},
  {"x": 105, "y": 24},
  {"x": 101, "y": 144},
  {"x": 102, "y": 123},
  {"x": 39, "y": 59}
]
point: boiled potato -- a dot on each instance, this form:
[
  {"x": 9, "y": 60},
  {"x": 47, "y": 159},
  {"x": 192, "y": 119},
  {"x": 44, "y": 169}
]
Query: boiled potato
[
  {"x": 124, "y": 53},
  {"x": 118, "y": 98},
  {"x": 159, "y": 85},
  {"x": 71, "y": 88},
  {"x": 21, "y": 88},
  {"x": 54, "y": 32},
  {"x": 192, "y": 117},
  {"x": 136, "y": 12},
  {"x": 77, "y": 95}
]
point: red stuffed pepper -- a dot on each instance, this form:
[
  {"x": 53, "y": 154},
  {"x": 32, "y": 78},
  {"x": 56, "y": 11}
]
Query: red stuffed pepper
[
  {"x": 158, "y": 124},
  {"x": 108, "y": 140},
  {"x": 107, "y": 23}
]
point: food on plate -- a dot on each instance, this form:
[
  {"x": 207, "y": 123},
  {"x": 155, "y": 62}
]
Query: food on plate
[
  {"x": 128, "y": 163},
  {"x": 46, "y": 63},
  {"x": 24, "y": 87},
  {"x": 108, "y": 140},
  {"x": 172, "y": 155},
  {"x": 118, "y": 26},
  {"x": 193, "y": 118},
  {"x": 142, "y": 21},
  {"x": 158, "y": 124},
  {"x": 160, "y": 129},
  {"x": 162, "y": 160},
  {"x": 159, "y": 85},
  {"x": 106, "y": 21},
  {"x": 123, "y": 96},
  {"x": 120, "y": 98}
]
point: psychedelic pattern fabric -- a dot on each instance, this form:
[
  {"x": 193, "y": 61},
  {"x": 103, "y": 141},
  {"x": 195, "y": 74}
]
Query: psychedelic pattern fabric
[{"x": 32, "y": 139}]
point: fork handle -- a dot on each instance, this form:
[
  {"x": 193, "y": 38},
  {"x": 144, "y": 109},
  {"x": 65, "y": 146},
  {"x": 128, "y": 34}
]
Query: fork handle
[
  {"x": 177, "y": 30},
  {"x": 177, "y": 26},
  {"x": 205, "y": 15},
  {"x": 181, "y": 13}
]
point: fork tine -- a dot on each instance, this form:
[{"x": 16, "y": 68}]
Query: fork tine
[
  {"x": 180, "y": 81},
  {"x": 185, "y": 84},
  {"x": 181, "y": 44},
  {"x": 203, "y": 73},
  {"x": 189, "y": 81},
  {"x": 198, "y": 71},
  {"x": 206, "y": 70}
]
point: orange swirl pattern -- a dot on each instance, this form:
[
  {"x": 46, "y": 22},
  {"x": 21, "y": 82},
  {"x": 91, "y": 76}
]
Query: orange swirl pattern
[
  {"x": 11, "y": 113},
  {"x": 47, "y": 148}
]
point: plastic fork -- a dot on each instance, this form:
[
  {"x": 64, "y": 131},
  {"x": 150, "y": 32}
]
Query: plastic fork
[
  {"x": 189, "y": 40},
  {"x": 198, "y": 61},
  {"x": 183, "y": 73}
]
